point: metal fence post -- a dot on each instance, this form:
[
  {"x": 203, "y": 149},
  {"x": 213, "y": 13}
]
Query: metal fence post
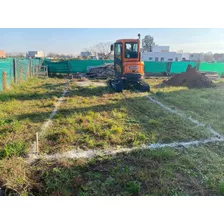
[
  {"x": 198, "y": 65},
  {"x": 4, "y": 81},
  {"x": 14, "y": 70},
  {"x": 169, "y": 64}
]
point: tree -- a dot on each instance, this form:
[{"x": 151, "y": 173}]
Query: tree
[
  {"x": 51, "y": 54},
  {"x": 208, "y": 57},
  {"x": 102, "y": 49},
  {"x": 148, "y": 43}
]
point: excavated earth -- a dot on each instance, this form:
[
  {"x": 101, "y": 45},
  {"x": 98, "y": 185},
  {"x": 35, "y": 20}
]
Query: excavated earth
[{"x": 191, "y": 79}]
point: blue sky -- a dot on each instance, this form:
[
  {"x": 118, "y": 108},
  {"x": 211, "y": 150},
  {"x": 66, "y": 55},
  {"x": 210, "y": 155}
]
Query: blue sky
[{"x": 73, "y": 41}]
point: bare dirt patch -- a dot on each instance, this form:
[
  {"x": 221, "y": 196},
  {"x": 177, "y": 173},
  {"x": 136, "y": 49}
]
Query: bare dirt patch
[{"x": 191, "y": 78}]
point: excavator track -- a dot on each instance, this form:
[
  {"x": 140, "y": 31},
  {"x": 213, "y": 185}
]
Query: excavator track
[{"x": 119, "y": 85}]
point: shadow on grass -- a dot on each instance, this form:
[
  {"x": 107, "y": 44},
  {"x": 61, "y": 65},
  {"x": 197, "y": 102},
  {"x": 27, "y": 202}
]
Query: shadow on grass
[
  {"x": 28, "y": 96},
  {"x": 137, "y": 173},
  {"x": 73, "y": 91}
]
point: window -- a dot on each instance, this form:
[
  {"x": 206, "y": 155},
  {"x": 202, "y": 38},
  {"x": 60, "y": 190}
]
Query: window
[
  {"x": 131, "y": 50},
  {"x": 150, "y": 58},
  {"x": 117, "y": 51},
  {"x": 162, "y": 59},
  {"x": 156, "y": 59},
  {"x": 176, "y": 59}
]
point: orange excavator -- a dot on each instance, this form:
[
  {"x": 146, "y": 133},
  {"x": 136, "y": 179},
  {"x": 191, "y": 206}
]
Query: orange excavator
[{"x": 128, "y": 67}]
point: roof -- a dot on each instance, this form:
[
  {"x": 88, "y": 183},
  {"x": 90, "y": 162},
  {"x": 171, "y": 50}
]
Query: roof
[{"x": 127, "y": 40}]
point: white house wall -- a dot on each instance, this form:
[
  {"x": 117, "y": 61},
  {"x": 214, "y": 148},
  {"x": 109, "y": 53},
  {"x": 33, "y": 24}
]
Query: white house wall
[{"x": 166, "y": 55}]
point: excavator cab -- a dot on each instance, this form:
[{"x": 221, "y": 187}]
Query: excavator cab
[{"x": 128, "y": 67}]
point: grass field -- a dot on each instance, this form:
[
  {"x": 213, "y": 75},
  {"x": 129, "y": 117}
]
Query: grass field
[{"x": 94, "y": 117}]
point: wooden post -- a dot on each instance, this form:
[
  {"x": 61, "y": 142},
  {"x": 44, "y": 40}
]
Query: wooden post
[
  {"x": 37, "y": 143},
  {"x": 21, "y": 74},
  {"x": 4, "y": 81},
  {"x": 14, "y": 70}
]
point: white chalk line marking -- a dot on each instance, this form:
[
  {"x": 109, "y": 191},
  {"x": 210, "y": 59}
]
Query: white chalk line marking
[
  {"x": 49, "y": 120},
  {"x": 77, "y": 154},
  {"x": 209, "y": 128}
]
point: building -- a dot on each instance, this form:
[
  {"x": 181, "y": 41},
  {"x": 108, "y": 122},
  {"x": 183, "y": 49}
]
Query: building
[
  {"x": 86, "y": 54},
  {"x": 196, "y": 57},
  {"x": 35, "y": 54},
  {"x": 2, "y": 54},
  {"x": 162, "y": 53},
  {"x": 218, "y": 57}
]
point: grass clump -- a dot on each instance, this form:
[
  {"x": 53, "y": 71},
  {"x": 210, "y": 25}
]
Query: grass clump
[
  {"x": 13, "y": 149},
  {"x": 132, "y": 188},
  {"x": 221, "y": 188}
]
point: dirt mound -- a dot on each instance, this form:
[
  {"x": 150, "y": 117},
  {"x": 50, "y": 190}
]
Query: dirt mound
[{"x": 191, "y": 78}]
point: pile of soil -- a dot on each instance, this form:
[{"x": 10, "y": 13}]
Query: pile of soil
[{"x": 191, "y": 79}]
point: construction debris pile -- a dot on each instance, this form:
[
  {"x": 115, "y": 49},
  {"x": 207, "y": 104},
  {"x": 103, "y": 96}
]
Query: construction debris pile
[
  {"x": 191, "y": 79},
  {"x": 101, "y": 72}
]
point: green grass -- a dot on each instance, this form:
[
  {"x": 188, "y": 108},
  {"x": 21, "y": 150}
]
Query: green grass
[
  {"x": 205, "y": 105},
  {"x": 23, "y": 110},
  {"x": 163, "y": 172},
  {"x": 13, "y": 149},
  {"x": 97, "y": 118}
]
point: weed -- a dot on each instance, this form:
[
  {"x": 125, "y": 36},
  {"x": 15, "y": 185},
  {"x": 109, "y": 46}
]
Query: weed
[
  {"x": 13, "y": 149},
  {"x": 221, "y": 187},
  {"x": 154, "y": 123},
  {"x": 132, "y": 188},
  {"x": 116, "y": 130}
]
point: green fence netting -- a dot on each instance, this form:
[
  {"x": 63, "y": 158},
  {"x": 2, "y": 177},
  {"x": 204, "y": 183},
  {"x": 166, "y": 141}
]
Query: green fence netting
[
  {"x": 24, "y": 65},
  {"x": 181, "y": 66},
  {"x": 155, "y": 67},
  {"x": 72, "y": 66},
  {"x": 6, "y": 65},
  {"x": 212, "y": 67}
]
